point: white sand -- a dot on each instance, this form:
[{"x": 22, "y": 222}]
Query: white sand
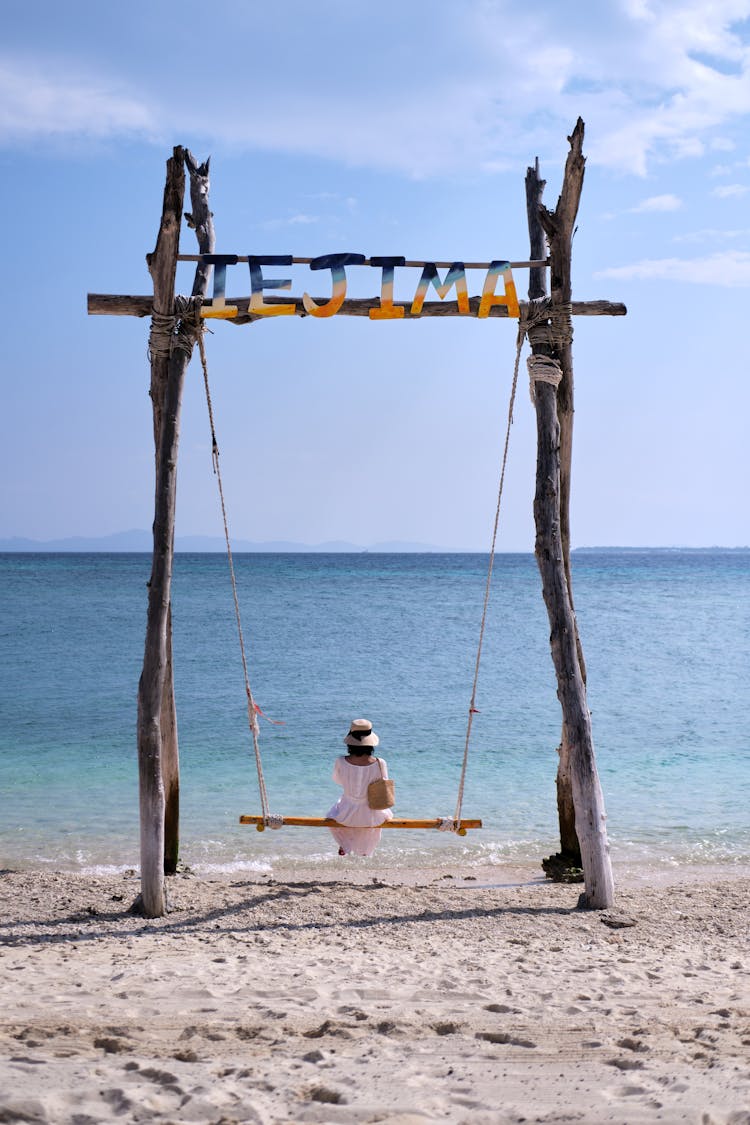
[{"x": 481, "y": 1001}]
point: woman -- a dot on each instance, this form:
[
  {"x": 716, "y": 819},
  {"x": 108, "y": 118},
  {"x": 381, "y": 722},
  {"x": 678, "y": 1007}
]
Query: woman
[{"x": 354, "y": 772}]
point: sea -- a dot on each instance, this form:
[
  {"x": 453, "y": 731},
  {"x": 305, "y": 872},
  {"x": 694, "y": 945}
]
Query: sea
[{"x": 391, "y": 638}]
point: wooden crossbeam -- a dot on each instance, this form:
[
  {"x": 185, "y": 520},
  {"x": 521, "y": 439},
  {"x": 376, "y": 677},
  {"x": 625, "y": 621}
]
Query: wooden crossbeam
[
  {"x": 326, "y": 822},
  {"x": 109, "y": 304}
]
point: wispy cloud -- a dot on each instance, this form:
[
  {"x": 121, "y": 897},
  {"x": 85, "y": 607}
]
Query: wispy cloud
[
  {"x": 730, "y": 269},
  {"x": 730, "y": 191},
  {"x": 713, "y": 234},
  {"x": 299, "y": 220},
  {"x": 655, "y": 83},
  {"x": 45, "y": 102},
  {"x": 658, "y": 203}
]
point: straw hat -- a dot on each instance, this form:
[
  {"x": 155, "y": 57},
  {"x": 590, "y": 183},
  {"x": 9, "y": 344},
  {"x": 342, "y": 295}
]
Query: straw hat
[{"x": 361, "y": 734}]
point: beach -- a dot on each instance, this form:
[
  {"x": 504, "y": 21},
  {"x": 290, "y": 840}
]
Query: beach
[{"x": 397, "y": 998}]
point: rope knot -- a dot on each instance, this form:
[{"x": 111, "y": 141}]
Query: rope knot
[
  {"x": 161, "y": 335},
  {"x": 546, "y": 325},
  {"x": 446, "y": 824},
  {"x": 179, "y": 329},
  {"x": 542, "y": 369},
  {"x": 190, "y": 324}
]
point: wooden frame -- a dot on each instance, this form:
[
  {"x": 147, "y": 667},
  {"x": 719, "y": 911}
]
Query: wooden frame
[{"x": 177, "y": 321}]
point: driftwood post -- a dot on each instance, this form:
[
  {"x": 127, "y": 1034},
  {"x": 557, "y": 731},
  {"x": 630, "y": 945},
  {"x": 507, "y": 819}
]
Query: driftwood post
[
  {"x": 568, "y": 859},
  {"x": 154, "y": 682},
  {"x": 552, "y": 546},
  {"x": 171, "y": 346}
]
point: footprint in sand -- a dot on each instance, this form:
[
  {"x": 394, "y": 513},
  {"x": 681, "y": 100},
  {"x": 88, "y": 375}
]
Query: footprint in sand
[
  {"x": 162, "y": 1078},
  {"x": 504, "y": 1037},
  {"x": 325, "y": 1094},
  {"x": 111, "y": 1046},
  {"x": 626, "y": 1064},
  {"x": 117, "y": 1100},
  {"x": 631, "y": 1044}
]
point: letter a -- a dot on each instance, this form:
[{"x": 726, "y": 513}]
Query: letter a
[{"x": 510, "y": 299}]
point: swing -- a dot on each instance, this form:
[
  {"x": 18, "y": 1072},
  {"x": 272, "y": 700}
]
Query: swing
[{"x": 456, "y": 823}]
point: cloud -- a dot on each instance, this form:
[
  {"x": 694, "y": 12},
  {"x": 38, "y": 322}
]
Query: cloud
[
  {"x": 658, "y": 203},
  {"x": 712, "y": 234},
  {"x": 35, "y": 104},
  {"x": 730, "y": 269},
  {"x": 291, "y": 221},
  {"x": 655, "y": 83},
  {"x": 478, "y": 86},
  {"x": 730, "y": 191}
]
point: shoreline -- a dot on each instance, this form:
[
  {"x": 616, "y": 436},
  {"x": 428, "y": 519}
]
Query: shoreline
[
  {"x": 627, "y": 873},
  {"x": 364, "y": 998}
]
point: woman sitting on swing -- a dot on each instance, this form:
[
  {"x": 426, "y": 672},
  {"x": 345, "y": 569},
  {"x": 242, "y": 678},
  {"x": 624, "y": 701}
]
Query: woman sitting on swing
[{"x": 354, "y": 772}]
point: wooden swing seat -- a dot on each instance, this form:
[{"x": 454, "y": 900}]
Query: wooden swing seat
[{"x": 326, "y": 822}]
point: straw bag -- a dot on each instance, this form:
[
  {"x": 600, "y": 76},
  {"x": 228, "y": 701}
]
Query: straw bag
[{"x": 381, "y": 794}]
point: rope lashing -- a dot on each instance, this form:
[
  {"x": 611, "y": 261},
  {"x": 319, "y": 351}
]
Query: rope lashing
[
  {"x": 179, "y": 329},
  {"x": 189, "y": 324},
  {"x": 273, "y": 820},
  {"x": 562, "y": 325},
  {"x": 160, "y": 336},
  {"x": 446, "y": 824},
  {"x": 542, "y": 369}
]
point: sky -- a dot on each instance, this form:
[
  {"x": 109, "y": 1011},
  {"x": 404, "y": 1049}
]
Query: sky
[{"x": 388, "y": 129}]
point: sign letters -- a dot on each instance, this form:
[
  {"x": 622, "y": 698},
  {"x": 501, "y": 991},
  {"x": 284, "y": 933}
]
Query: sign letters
[{"x": 264, "y": 277}]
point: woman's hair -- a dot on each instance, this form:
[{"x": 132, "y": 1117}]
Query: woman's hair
[{"x": 359, "y": 751}]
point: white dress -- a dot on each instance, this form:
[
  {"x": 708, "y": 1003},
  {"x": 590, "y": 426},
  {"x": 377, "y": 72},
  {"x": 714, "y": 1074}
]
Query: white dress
[{"x": 352, "y": 808}]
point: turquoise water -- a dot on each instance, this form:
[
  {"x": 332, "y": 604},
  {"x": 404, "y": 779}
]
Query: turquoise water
[{"x": 666, "y": 637}]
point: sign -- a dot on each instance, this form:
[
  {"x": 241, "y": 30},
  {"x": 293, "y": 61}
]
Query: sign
[{"x": 261, "y": 281}]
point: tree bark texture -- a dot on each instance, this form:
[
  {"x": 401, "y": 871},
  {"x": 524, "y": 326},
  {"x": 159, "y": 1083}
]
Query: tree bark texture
[
  {"x": 559, "y": 227},
  {"x": 578, "y": 781},
  {"x": 535, "y": 186},
  {"x": 157, "y": 725},
  {"x": 570, "y": 849},
  {"x": 588, "y": 800},
  {"x": 154, "y": 684},
  {"x": 199, "y": 186},
  {"x": 170, "y": 759}
]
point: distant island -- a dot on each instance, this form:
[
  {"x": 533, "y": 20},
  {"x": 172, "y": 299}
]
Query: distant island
[
  {"x": 652, "y": 550},
  {"x": 140, "y": 542}
]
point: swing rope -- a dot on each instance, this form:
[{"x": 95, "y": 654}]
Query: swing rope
[
  {"x": 252, "y": 708},
  {"x": 522, "y": 331},
  {"x": 529, "y": 318}
]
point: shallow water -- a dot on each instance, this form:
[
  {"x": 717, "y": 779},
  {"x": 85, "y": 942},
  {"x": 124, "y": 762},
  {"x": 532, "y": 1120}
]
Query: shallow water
[{"x": 666, "y": 637}]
